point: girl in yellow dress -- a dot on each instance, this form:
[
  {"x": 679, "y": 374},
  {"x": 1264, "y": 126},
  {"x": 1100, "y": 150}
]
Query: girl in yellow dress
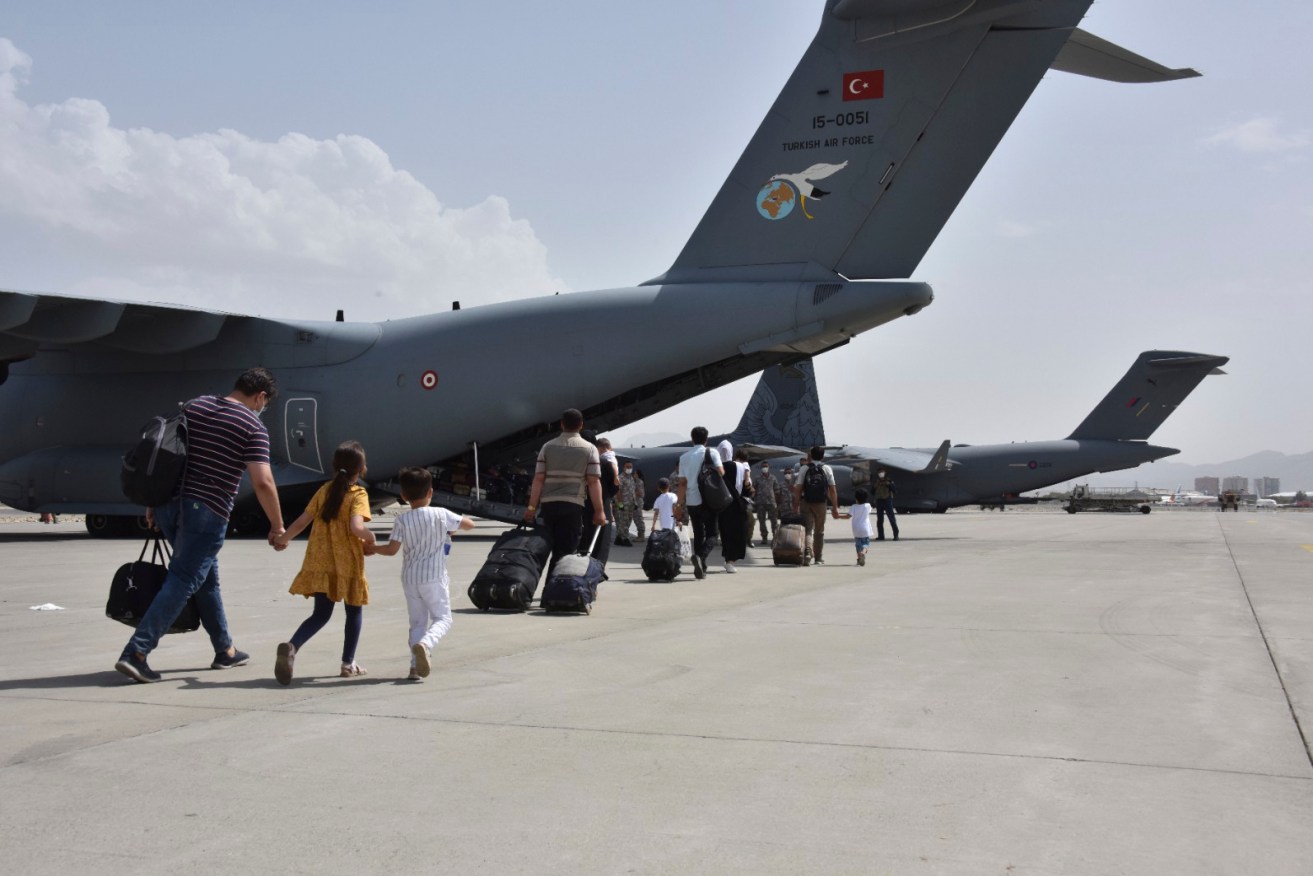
[{"x": 334, "y": 566}]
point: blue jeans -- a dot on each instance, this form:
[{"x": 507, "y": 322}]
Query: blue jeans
[
  {"x": 196, "y": 534},
  {"x": 863, "y": 542}
]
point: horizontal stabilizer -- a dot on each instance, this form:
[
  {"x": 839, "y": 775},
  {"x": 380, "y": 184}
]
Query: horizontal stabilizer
[
  {"x": 1088, "y": 55},
  {"x": 1147, "y": 395}
]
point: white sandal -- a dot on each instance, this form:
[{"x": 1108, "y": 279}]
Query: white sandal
[{"x": 351, "y": 670}]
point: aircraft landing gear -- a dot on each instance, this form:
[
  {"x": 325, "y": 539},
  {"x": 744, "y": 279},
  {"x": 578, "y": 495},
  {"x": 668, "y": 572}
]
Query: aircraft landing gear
[{"x": 117, "y": 526}]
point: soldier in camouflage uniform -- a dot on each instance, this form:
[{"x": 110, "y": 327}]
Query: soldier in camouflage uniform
[
  {"x": 784, "y": 494},
  {"x": 766, "y": 501},
  {"x": 629, "y": 505}
]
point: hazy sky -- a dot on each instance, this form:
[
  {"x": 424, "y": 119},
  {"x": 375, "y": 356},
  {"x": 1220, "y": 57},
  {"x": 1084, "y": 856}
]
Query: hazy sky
[{"x": 292, "y": 158}]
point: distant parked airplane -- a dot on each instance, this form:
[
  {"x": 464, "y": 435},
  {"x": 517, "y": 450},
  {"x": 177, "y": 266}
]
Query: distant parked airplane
[
  {"x": 1186, "y": 497},
  {"x": 1113, "y": 437}
]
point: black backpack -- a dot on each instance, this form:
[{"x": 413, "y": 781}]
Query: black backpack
[
  {"x": 153, "y": 466},
  {"x": 815, "y": 487}
]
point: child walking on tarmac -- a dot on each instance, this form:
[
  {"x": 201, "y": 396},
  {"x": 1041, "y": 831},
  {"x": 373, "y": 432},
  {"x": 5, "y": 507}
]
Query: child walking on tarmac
[
  {"x": 424, "y": 533},
  {"x": 860, "y": 511},
  {"x": 334, "y": 566}
]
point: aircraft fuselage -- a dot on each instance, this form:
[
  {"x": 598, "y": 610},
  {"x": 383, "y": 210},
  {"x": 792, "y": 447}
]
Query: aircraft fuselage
[{"x": 420, "y": 390}]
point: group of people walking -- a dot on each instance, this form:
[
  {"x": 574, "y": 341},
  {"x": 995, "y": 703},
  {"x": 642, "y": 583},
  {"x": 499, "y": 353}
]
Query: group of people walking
[
  {"x": 574, "y": 492},
  {"x": 227, "y": 439}
]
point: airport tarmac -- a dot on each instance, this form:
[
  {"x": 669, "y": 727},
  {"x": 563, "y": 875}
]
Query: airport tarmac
[{"x": 1015, "y": 693}]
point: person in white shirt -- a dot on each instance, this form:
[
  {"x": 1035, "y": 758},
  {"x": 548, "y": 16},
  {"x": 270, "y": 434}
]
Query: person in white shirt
[
  {"x": 860, "y": 512},
  {"x": 702, "y": 518},
  {"x": 425, "y": 533},
  {"x": 663, "y": 507}
]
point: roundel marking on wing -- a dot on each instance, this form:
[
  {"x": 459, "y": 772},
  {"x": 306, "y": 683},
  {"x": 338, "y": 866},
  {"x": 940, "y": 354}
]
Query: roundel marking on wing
[{"x": 429, "y": 379}]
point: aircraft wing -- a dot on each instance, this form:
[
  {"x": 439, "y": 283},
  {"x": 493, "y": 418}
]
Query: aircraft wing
[
  {"x": 29, "y": 321},
  {"x": 900, "y": 458}
]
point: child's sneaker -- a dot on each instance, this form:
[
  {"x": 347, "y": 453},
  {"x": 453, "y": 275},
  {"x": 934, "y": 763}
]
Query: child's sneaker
[
  {"x": 422, "y": 665},
  {"x": 861, "y": 559},
  {"x": 414, "y": 675}
]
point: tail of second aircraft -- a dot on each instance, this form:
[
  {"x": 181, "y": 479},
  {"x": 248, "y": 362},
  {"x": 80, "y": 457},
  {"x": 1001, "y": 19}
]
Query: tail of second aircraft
[
  {"x": 784, "y": 411},
  {"x": 1140, "y": 402}
]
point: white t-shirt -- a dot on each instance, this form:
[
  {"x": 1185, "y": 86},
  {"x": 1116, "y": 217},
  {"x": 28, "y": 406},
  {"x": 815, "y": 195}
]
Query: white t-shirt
[
  {"x": 424, "y": 534},
  {"x": 861, "y": 520},
  {"x": 689, "y": 464},
  {"x": 664, "y": 506}
]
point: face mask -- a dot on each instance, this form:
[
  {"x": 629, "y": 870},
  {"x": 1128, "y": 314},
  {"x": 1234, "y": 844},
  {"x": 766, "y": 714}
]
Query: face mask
[
  {"x": 880, "y": 474},
  {"x": 629, "y": 471}
]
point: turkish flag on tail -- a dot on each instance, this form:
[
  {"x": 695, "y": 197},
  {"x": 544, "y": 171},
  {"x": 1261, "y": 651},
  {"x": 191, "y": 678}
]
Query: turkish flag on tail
[{"x": 863, "y": 85}]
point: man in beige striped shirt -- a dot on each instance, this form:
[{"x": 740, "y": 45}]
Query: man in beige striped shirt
[{"x": 567, "y": 467}]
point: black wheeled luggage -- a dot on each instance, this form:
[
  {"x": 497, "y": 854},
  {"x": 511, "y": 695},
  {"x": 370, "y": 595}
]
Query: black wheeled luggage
[
  {"x": 135, "y": 585},
  {"x": 509, "y": 576},
  {"x": 572, "y": 583},
  {"x": 661, "y": 559}
]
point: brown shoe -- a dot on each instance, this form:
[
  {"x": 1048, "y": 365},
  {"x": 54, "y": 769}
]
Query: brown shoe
[{"x": 283, "y": 664}]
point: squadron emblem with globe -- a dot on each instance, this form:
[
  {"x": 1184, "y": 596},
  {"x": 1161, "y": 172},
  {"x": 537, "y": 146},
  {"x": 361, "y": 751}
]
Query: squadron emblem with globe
[{"x": 784, "y": 191}]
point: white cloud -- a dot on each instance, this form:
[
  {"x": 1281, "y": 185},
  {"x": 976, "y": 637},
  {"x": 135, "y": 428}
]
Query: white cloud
[
  {"x": 1259, "y": 135},
  {"x": 267, "y": 227}
]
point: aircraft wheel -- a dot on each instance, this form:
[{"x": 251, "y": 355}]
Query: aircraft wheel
[
  {"x": 1069, "y": 510},
  {"x": 101, "y": 525},
  {"x": 1145, "y": 509}
]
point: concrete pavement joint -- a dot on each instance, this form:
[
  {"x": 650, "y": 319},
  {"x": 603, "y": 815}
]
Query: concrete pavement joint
[
  {"x": 286, "y": 709},
  {"x": 1294, "y": 715}
]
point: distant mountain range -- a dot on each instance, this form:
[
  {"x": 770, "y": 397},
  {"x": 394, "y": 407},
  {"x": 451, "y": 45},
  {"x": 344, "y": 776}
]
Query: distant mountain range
[{"x": 1294, "y": 470}]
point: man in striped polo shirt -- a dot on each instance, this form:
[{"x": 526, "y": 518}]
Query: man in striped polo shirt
[
  {"x": 568, "y": 466},
  {"x": 224, "y": 438}
]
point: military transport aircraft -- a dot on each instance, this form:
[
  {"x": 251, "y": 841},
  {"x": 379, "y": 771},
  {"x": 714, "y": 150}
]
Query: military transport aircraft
[
  {"x": 887, "y": 119},
  {"x": 1113, "y": 437}
]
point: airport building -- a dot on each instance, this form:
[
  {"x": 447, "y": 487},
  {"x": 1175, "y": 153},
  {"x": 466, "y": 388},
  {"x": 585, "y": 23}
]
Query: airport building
[
  {"x": 1264, "y": 487},
  {"x": 1236, "y": 483},
  {"x": 1207, "y": 486}
]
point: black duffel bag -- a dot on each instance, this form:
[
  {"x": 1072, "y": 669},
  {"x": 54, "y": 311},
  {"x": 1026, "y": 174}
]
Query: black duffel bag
[
  {"x": 135, "y": 585},
  {"x": 509, "y": 577}
]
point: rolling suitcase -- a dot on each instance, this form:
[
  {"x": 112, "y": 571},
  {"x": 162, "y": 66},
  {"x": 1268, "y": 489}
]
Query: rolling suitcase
[
  {"x": 509, "y": 576},
  {"x": 788, "y": 547},
  {"x": 661, "y": 557},
  {"x": 135, "y": 585},
  {"x": 572, "y": 583}
]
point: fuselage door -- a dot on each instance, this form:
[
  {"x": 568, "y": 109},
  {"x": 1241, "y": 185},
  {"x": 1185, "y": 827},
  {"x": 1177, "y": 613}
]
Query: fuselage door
[{"x": 301, "y": 428}]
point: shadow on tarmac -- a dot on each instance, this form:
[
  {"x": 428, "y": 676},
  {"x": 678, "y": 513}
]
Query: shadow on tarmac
[
  {"x": 21, "y": 537},
  {"x": 190, "y": 681}
]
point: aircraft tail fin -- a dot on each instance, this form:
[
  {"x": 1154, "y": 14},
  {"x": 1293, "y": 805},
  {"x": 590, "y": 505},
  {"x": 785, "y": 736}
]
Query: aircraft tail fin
[
  {"x": 784, "y": 410},
  {"x": 881, "y": 129},
  {"x": 1153, "y": 387},
  {"x": 938, "y": 462}
]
